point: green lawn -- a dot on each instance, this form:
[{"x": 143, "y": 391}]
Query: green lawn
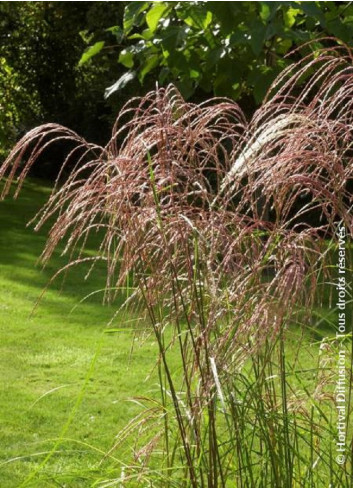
[
  {"x": 46, "y": 359},
  {"x": 66, "y": 381}
]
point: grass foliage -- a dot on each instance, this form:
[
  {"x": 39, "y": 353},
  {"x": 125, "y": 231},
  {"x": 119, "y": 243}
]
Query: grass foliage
[{"x": 45, "y": 360}]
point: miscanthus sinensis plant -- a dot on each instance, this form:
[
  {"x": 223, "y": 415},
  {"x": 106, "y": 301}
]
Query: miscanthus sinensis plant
[{"x": 220, "y": 230}]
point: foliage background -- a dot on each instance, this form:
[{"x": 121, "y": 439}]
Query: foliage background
[{"x": 57, "y": 59}]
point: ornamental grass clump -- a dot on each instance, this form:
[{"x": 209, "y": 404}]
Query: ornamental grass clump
[{"x": 220, "y": 228}]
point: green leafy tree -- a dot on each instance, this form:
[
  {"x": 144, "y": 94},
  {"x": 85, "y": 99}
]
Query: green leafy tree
[
  {"x": 40, "y": 48},
  {"x": 226, "y": 48},
  {"x": 40, "y": 76}
]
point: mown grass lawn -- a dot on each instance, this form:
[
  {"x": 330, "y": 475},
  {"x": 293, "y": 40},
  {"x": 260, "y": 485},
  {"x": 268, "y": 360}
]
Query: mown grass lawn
[
  {"x": 46, "y": 374},
  {"x": 66, "y": 381}
]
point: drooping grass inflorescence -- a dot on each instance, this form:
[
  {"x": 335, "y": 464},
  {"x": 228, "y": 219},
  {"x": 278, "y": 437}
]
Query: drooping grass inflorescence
[{"x": 221, "y": 225}]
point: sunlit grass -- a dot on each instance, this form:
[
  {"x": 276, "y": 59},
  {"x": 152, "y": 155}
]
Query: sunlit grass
[{"x": 45, "y": 359}]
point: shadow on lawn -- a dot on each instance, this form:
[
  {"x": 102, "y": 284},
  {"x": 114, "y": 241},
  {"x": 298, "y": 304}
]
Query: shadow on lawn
[{"x": 21, "y": 247}]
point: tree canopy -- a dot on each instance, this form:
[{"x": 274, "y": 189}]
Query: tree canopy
[
  {"x": 59, "y": 59},
  {"x": 40, "y": 76},
  {"x": 234, "y": 49}
]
